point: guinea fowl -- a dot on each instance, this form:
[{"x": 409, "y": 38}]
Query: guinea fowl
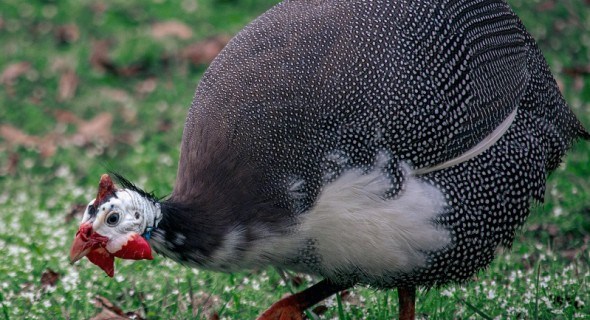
[{"x": 394, "y": 144}]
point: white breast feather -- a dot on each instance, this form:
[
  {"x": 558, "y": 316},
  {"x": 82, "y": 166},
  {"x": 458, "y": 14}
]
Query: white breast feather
[{"x": 354, "y": 226}]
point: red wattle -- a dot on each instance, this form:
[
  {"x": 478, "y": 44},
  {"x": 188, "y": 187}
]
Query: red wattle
[
  {"x": 136, "y": 248},
  {"x": 104, "y": 259}
]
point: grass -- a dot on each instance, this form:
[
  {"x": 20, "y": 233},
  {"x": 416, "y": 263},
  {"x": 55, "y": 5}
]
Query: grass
[{"x": 545, "y": 275}]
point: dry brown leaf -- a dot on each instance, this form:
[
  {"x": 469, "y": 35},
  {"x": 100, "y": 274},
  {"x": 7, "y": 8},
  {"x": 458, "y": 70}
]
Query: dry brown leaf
[
  {"x": 60, "y": 64},
  {"x": 64, "y": 116},
  {"x": 117, "y": 95},
  {"x": 106, "y": 314},
  {"x": 165, "y": 125},
  {"x": 319, "y": 310},
  {"x": 48, "y": 145},
  {"x": 68, "y": 83},
  {"x": 102, "y": 302},
  {"x": 67, "y": 33},
  {"x": 99, "y": 128},
  {"x": 205, "y": 51},
  {"x": 13, "y": 71},
  {"x": 49, "y": 278},
  {"x": 111, "y": 311},
  {"x": 99, "y": 56},
  {"x": 546, "y": 6},
  {"x": 99, "y": 59},
  {"x": 552, "y": 229},
  {"x": 98, "y": 7},
  {"x": 580, "y": 70},
  {"x": 207, "y": 303},
  {"x": 147, "y": 86},
  {"x": 15, "y": 136},
  {"x": 172, "y": 28},
  {"x": 214, "y": 316},
  {"x": 11, "y": 165}
]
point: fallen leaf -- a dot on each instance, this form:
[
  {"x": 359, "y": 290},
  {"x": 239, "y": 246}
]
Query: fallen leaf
[
  {"x": 214, "y": 316},
  {"x": 11, "y": 165},
  {"x": 577, "y": 70},
  {"x": 109, "y": 311},
  {"x": 15, "y": 136},
  {"x": 67, "y": 33},
  {"x": 319, "y": 310},
  {"x": 48, "y": 145},
  {"x": 99, "y": 56},
  {"x": 147, "y": 86},
  {"x": 102, "y": 302},
  {"x": 552, "y": 230},
  {"x": 106, "y": 314},
  {"x": 546, "y": 6},
  {"x": 99, "y": 59},
  {"x": 13, "y": 71},
  {"x": 206, "y": 303},
  {"x": 98, "y": 7},
  {"x": 97, "y": 129},
  {"x": 49, "y": 278},
  {"x": 205, "y": 51},
  {"x": 68, "y": 83},
  {"x": 117, "y": 95},
  {"x": 165, "y": 125},
  {"x": 161, "y": 30},
  {"x": 65, "y": 117},
  {"x": 133, "y": 69}
]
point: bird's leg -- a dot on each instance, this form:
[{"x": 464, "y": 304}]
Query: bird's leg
[
  {"x": 292, "y": 307},
  {"x": 407, "y": 303}
]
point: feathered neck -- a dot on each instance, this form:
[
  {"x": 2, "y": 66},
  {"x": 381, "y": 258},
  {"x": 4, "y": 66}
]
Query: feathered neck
[{"x": 188, "y": 233}]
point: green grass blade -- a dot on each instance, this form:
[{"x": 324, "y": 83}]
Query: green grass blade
[{"x": 475, "y": 309}]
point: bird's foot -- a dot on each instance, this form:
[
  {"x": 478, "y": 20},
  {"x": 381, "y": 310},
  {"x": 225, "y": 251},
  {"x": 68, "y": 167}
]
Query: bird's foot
[{"x": 285, "y": 309}]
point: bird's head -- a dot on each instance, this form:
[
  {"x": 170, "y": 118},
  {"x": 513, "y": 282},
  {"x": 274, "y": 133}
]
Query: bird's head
[{"x": 116, "y": 224}]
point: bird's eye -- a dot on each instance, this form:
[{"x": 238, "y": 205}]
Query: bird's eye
[{"x": 113, "y": 219}]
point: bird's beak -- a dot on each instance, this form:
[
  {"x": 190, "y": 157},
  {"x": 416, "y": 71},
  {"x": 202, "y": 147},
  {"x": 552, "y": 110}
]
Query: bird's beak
[
  {"x": 92, "y": 245},
  {"x": 78, "y": 250},
  {"x": 81, "y": 246}
]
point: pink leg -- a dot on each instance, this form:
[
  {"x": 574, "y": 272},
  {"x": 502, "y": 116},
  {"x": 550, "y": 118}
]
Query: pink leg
[{"x": 292, "y": 307}]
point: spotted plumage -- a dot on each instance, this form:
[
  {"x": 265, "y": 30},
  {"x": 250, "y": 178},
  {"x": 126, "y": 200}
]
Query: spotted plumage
[
  {"x": 386, "y": 143},
  {"x": 313, "y": 90}
]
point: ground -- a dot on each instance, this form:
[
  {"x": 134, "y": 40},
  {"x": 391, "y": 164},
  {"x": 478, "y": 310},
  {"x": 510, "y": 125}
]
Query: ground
[{"x": 87, "y": 86}]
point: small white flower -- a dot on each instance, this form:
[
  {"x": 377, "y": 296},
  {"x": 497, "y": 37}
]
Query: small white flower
[
  {"x": 557, "y": 311},
  {"x": 491, "y": 294},
  {"x": 447, "y": 292}
]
